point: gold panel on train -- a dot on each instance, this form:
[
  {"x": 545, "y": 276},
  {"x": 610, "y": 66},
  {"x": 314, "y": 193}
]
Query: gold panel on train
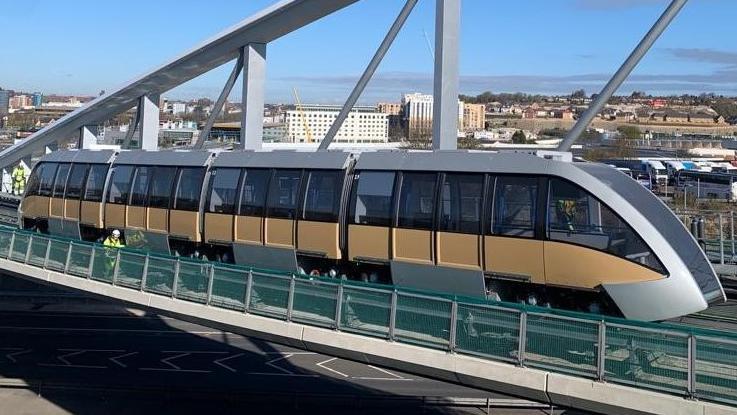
[
  {"x": 576, "y": 266},
  {"x": 56, "y": 207},
  {"x": 114, "y": 216},
  {"x": 458, "y": 250},
  {"x": 412, "y": 245},
  {"x": 515, "y": 258},
  {"x": 280, "y": 232},
  {"x": 31, "y": 206},
  {"x": 319, "y": 237},
  {"x": 218, "y": 227},
  {"x": 42, "y": 207},
  {"x": 71, "y": 209},
  {"x": 248, "y": 229},
  {"x": 90, "y": 214},
  {"x": 135, "y": 217},
  {"x": 158, "y": 220},
  {"x": 371, "y": 242},
  {"x": 185, "y": 224}
]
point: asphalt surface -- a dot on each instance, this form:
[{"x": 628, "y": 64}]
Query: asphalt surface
[{"x": 81, "y": 356}]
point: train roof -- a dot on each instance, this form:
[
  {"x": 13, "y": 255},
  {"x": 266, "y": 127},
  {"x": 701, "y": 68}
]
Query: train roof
[
  {"x": 454, "y": 161},
  {"x": 332, "y": 160},
  {"x": 79, "y": 156},
  {"x": 165, "y": 158}
]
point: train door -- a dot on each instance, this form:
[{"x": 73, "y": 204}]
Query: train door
[
  {"x": 73, "y": 194},
  {"x": 56, "y": 204},
  {"x": 370, "y": 218},
  {"x": 249, "y": 224},
  {"x": 41, "y": 204},
  {"x": 413, "y": 236},
  {"x": 281, "y": 212},
  {"x": 135, "y": 215},
  {"x": 511, "y": 249},
  {"x": 184, "y": 221},
  {"x": 458, "y": 237},
  {"x": 118, "y": 197},
  {"x": 159, "y": 199},
  {"x": 318, "y": 230},
  {"x": 91, "y": 211},
  {"x": 221, "y": 205}
]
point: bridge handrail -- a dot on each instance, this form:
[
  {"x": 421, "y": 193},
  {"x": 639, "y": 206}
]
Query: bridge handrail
[{"x": 685, "y": 361}]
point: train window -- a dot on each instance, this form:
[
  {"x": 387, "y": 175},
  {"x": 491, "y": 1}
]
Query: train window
[
  {"x": 95, "y": 183},
  {"x": 189, "y": 188},
  {"x": 33, "y": 180},
  {"x": 139, "y": 190},
  {"x": 283, "y": 194},
  {"x": 253, "y": 198},
  {"x": 120, "y": 184},
  {"x": 322, "y": 200},
  {"x": 372, "y": 198},
  {"x": 77, "y": 177},
  {"x": 417, "y": 200},
  {"x": 161, "y": 186},
  {"x": 61, "y": 179},
  {"x": 223, "y": 190},
  {"x": 46, "y": 179},
  {"x": 460, "y": 203},
  {"x": 576, "y": 217},
  {"x": 515, "y": 202}
]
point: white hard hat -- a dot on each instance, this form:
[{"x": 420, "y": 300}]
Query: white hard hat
[{"x": 116, "y": 233}]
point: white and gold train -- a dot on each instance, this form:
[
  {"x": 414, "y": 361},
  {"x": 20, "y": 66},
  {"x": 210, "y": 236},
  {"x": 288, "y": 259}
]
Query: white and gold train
[{"x": 524, "y": 227}]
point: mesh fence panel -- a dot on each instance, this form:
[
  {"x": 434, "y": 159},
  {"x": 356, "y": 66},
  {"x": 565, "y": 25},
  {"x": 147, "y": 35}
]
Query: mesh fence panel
[
  {"x": 562, "y": 345},
  {"x": 57, "y": 255},
  {"x": 37, "y": 255},
  {"x": 229, "y": 288},
  {"x": 130, "y": 269},
  {"x": 423, "y": 321},
  {"x": 366, "y": 312},
  {"x": 6, "y": 235},
  {"x": 193, "y": 281},
  {"x": 103, "y": 267},
  {"x": 79, "y": 260},
  {"x": 270, "y": 295},
  {"x": 716, "y": 371},
  {"x": 160, "y": 275},
  {"x": 20, "y": 247},
  {"x": 647, "y": 359},
  {"x": 487, "y": 332},
  {"x": 315, "y": 303}
]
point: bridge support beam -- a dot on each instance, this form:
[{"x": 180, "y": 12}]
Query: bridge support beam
[
  {"x": 87, "y": 139},
  {"x": 445, "y": 91},
  {"x": 218, "y": 107},
  {"x": 149, "y": 122},
  {"x": 254, "y": 88}
]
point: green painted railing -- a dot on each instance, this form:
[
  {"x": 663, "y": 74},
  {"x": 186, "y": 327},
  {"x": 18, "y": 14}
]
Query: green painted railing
[{"x": 684, "y": 361}]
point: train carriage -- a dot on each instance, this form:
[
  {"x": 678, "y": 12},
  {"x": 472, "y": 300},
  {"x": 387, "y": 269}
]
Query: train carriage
[{"x": 535, "y": 228}]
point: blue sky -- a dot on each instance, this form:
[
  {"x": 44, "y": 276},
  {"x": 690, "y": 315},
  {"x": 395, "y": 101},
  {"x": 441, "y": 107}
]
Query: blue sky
[{"x": 535, "y": 46}]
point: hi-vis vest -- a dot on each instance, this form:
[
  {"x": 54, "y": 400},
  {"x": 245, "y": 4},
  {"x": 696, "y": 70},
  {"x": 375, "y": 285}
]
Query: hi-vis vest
[
  {"x": 113, "y": 243},
  {"x": 19, "y": 174}
]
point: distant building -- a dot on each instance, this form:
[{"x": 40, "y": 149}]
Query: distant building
[
  {"x": 4, "y": 103},
  {"x": 390, "y": 108},
  {"x": 19, "y": 102},
  {"x": 417, "y": 113},
  {"x": 37, "y": 99},
  {"x": 363, "y": 124},
  {"x": 474, "y": 117}
]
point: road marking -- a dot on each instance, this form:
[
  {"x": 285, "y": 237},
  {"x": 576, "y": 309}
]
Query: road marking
[
  {"x": 75, "y": 352},
  {"x": 321, "y": 364},
  {"x": 286, "y": 372},
  {"x": 388, "y": 372},
  {"x": 117, "y": 361},
  {"x": 284, "y": 357},
  {"x": 219, "y": 362},
  {"x": 174, "y": 368},
  {"x": 105, "y": 330},
  {"x": 293, "y": 375},
  {"x": 16, "y": 352},
  {"x": 384, "y": 379}
]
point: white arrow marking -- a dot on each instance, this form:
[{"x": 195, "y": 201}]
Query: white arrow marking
[
  {"x": 387, "y": 372},
  {"x": 321, "y": 364},
  {"x": 76, "y": 352},
  {"x": 117, "y": 361},
  {"x": 175, "y": 368},
  {"x": 219, "y": 362},
  {"x": 286, "y": 372},
  {"x": 271, "y": 363},
  {"x": 11, "y": 356}
]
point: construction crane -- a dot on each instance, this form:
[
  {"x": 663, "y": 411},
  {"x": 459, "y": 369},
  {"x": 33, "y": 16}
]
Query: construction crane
[{"x": 305, "y": 124}]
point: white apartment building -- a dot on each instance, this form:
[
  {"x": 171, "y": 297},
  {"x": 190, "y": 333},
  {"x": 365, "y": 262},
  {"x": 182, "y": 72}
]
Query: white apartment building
[
  {"x": 418, "y": 114},
  {"x": 363, "y": 124}
]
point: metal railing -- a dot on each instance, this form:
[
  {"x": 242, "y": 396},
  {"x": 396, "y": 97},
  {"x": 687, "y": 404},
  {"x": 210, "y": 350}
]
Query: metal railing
[{"x": 689, "y": 362}]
